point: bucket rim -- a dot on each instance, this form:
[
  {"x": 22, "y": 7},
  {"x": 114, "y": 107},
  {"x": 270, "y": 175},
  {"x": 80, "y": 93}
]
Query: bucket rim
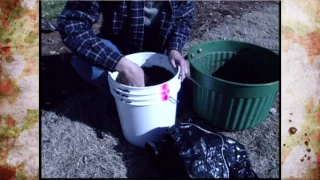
[
  {"x": 145, "y": 102},
  {"x": 226, "y": 81},
  {"x": 136, "y": 95},
  {"x": 145, "y": 97},
  {"x": 146, "y": 87}
]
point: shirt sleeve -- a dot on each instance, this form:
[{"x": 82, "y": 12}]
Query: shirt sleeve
[
  {"x": 182, "y": 25},
  {"x": 75, "y": 27}
]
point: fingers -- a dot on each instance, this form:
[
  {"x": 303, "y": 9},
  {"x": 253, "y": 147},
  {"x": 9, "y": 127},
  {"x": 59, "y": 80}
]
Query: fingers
[
  {"x": 182, "y": 64},
  {"x": 183, "y": 69},
  {"x": 138, "y": 83},
  {"x": 135, "y": 76},
  {"x": 188, "y": 66},
  {"x": 143, "y": 83},
  {"x": 140, "y": 79},
  {"x": 186, "y": 69},
  {"x": 173, "y": 62}
]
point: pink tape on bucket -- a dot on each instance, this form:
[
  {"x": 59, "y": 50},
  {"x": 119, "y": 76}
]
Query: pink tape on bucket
[
  {"x": 164, "y": 87},
  {"x": 165, "y": 98},
  {"x": 164, "y": 93}
]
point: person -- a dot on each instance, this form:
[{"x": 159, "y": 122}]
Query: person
[{"x": 127, "y": 27}]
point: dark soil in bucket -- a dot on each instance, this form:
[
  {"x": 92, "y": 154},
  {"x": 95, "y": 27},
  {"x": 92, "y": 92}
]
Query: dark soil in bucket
[
  {"x": 250, "y": 66},
  {"x": 156, "y": 75}
]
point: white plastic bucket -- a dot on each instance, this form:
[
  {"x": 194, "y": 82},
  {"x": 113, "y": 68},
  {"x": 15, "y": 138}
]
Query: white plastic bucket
[{"x": 146, "y": 112}]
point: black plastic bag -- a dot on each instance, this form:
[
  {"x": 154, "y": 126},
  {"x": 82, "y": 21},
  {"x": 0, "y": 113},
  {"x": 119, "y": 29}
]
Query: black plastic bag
[{"x": 188, "y": 151}]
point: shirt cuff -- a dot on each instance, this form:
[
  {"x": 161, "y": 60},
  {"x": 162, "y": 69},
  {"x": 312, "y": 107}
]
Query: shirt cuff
[
  {"x": 175, "y": 46},
  {"x": 113, "y": 61}
]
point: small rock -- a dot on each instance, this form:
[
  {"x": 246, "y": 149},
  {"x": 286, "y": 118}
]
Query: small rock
[
  {"x": 85, "y": 159},
  {"x": 215, "y": 20},
  {"x": 50, "y": 40},
  {"x": 61, "y": 48},
  {"x": 229, "y": 16},
  {"x": 53, "y": 52},
  {"x": 200, "y": 50},
  {"x": 210, "y": 14},
  {"x": 273, "y": 111}
]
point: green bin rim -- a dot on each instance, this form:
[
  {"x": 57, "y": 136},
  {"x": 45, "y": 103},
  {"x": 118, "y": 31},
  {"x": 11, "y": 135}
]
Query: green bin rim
[{"x": 194, "y": 48}]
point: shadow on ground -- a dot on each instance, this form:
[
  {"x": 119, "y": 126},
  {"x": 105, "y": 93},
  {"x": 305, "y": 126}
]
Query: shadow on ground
[
  {"x": 59, "y": 81},
  {"x": 61, "y": 85}
]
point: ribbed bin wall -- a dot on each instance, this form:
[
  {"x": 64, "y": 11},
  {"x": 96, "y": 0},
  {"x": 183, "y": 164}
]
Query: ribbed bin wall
[{"x": 225, "y": 104}]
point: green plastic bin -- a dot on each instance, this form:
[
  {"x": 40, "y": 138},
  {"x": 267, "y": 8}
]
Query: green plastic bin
[{"x": 230, "y": 105}]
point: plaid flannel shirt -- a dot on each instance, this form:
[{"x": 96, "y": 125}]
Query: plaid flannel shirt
[{"x": 76, "y": 20}]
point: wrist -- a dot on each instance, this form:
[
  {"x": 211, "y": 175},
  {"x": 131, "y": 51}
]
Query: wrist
[
  {"x": 174, "y": 51},
  {"x": 121, "y": 65}
]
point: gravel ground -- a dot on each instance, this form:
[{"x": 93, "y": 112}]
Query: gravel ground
[{"x": 73, "y": 147}]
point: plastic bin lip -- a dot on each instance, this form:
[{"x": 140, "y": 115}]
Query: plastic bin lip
[
  {"x": 235, "y": 83},
  {"x": 226, "y": 81}
]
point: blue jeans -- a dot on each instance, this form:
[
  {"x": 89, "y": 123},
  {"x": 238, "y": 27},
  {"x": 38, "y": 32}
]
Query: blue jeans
[{"x": 93, "y": 74}]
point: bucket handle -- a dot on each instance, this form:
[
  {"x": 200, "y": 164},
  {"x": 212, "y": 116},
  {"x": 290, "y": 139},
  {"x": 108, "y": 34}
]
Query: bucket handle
[
  {"x": 123, "y": 93},
  {"x": 174, "y": 101}
]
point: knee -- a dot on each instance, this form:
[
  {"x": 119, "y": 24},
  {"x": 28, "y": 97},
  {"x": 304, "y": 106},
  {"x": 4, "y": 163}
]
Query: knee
[
  {"x": 89, "y": 73},
  {"x": 82, "y": 68}
]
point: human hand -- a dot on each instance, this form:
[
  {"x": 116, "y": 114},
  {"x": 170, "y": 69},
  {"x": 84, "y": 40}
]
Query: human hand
[
  {"x": 177, "y": 59},
  {"x": 132, "y": 73}
]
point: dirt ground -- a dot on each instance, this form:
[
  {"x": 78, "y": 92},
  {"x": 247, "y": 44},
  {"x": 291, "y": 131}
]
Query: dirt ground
[{"x": 81, "y": 134}]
